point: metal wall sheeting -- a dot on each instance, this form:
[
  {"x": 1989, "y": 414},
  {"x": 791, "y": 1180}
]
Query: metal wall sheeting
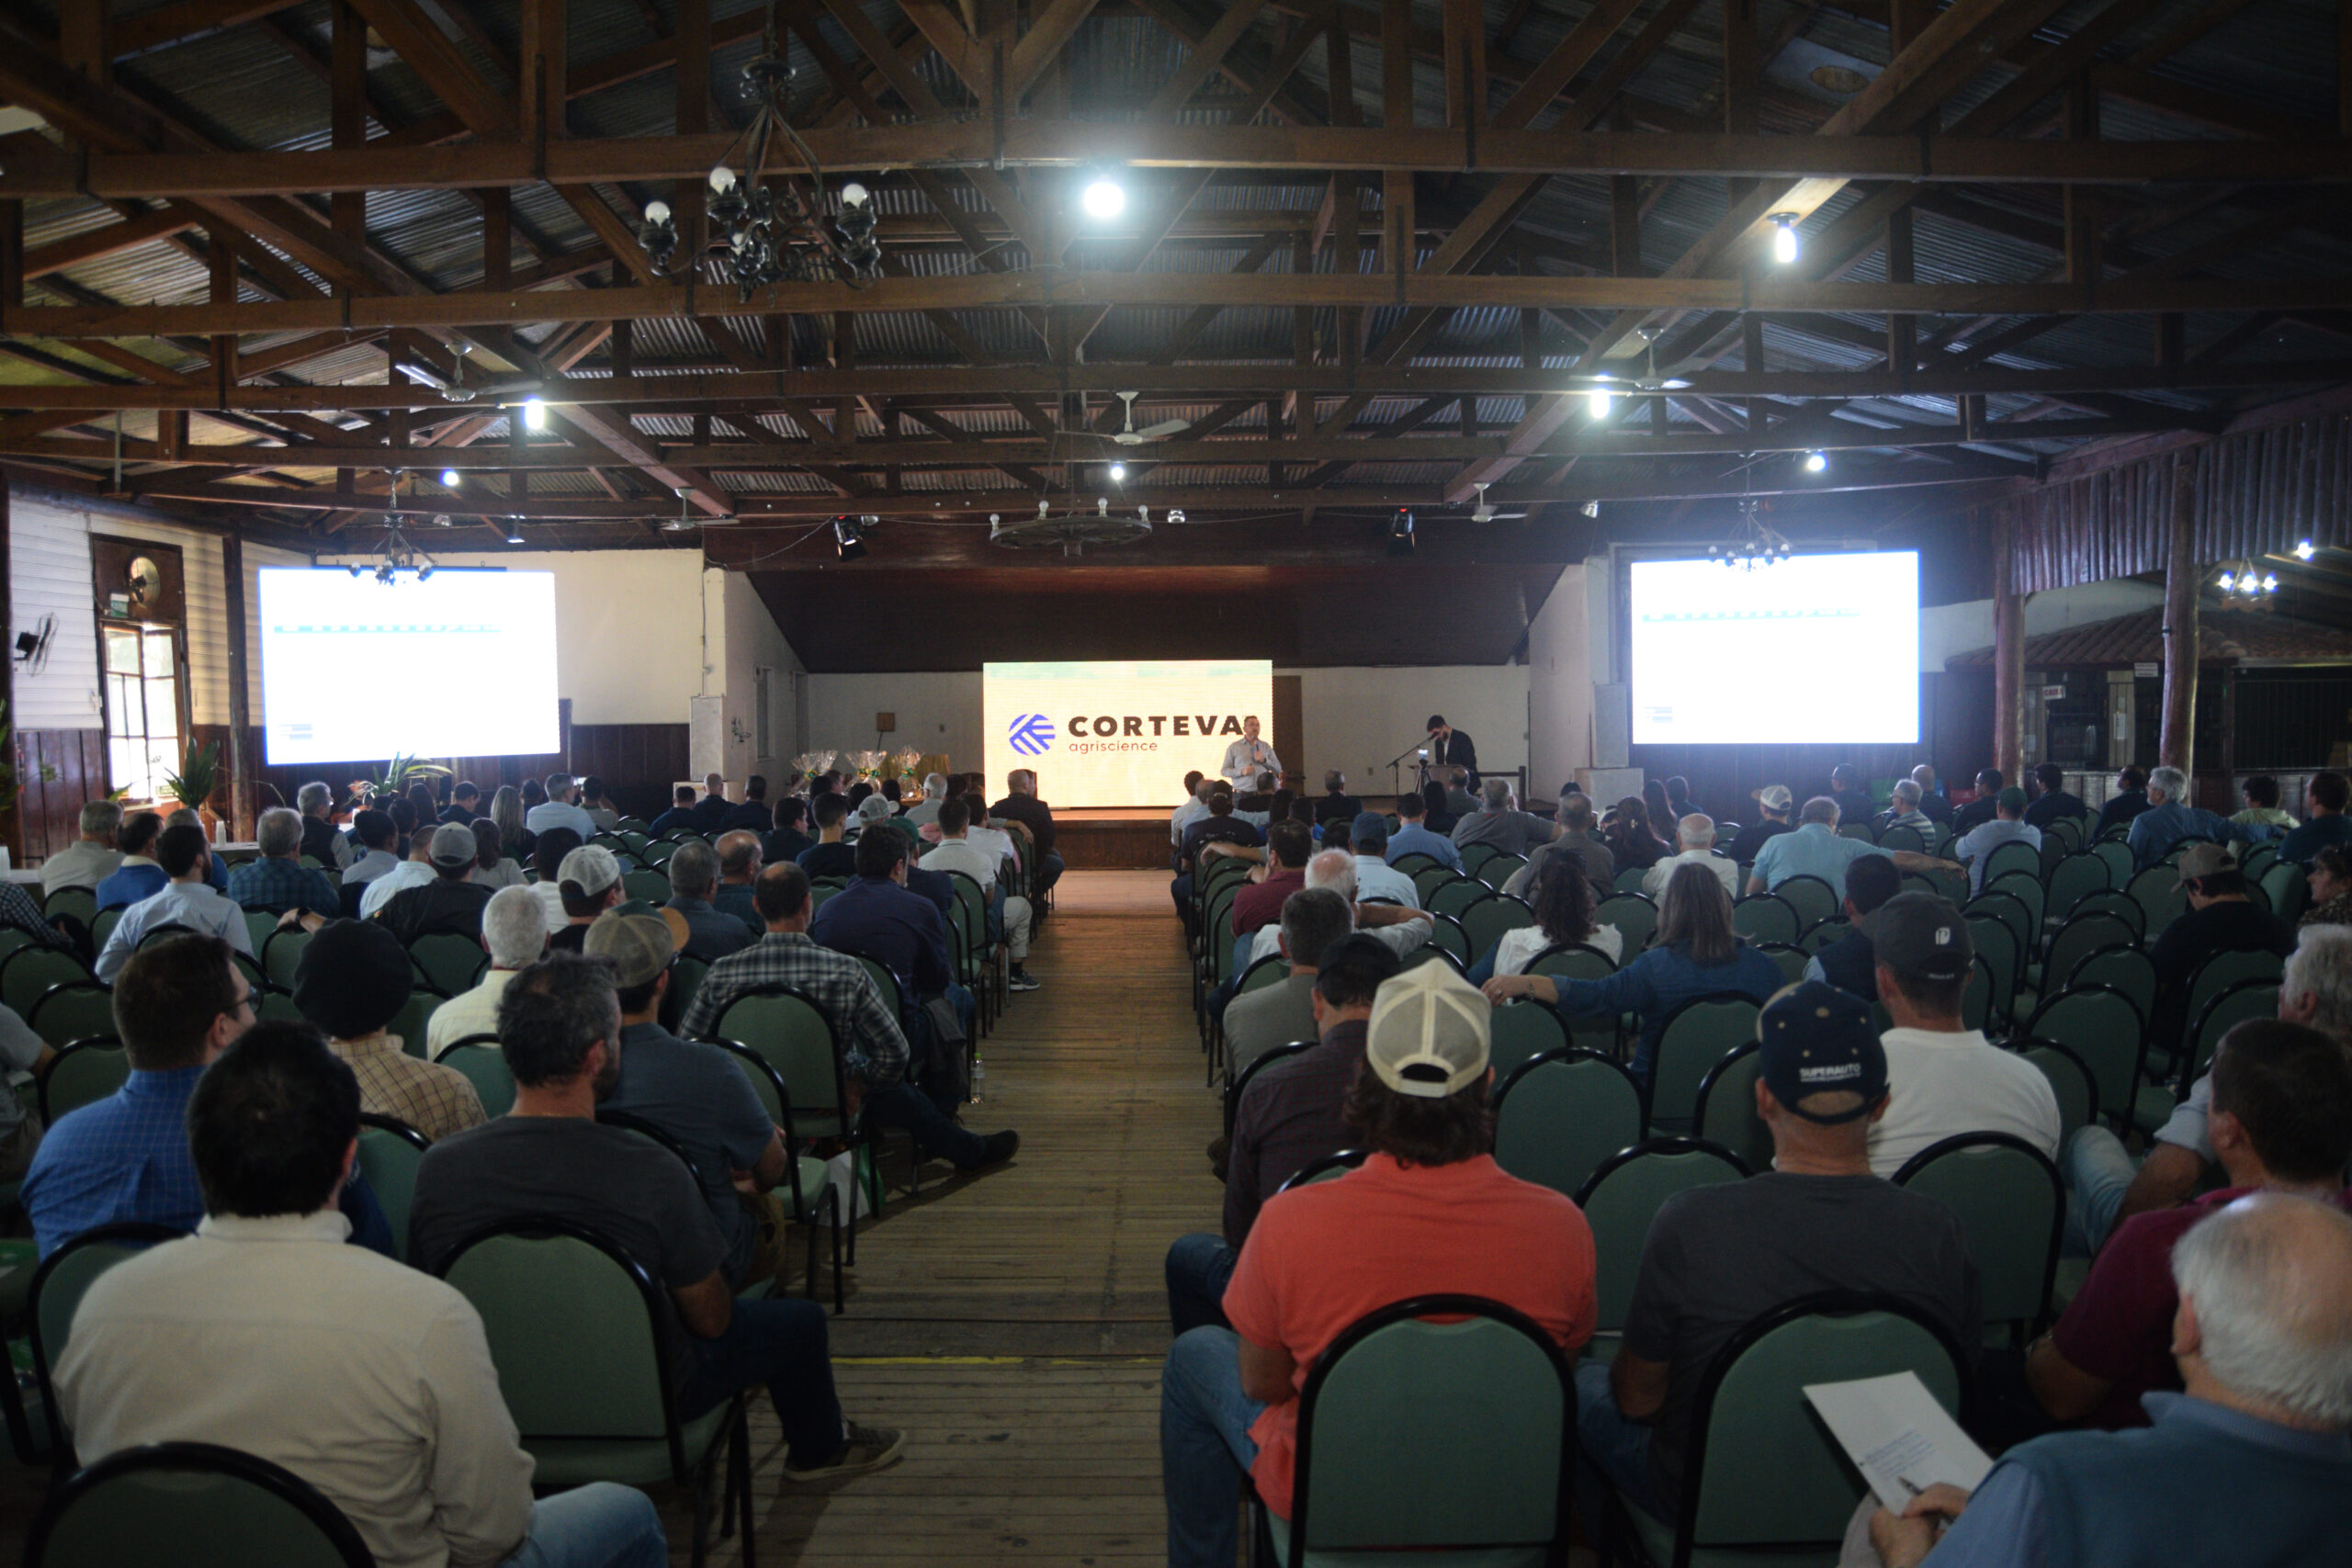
[{"x": 2259, "y": 492}]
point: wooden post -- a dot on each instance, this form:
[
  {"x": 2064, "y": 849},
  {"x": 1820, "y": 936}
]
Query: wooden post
[
  {"x": 244, "y": 799},
  {"x": 2176, "y": 740},
  {"x": 12, "y": 832},
  {"x": 2008, "y": 656}
]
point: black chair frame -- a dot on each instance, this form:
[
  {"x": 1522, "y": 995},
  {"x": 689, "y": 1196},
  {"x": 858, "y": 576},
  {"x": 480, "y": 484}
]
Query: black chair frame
[
  {"x": 2008, "y": 1141},
  {"x": 1572, "y": 1053},
  {"x": 207, "y": 1459},
  {"x": 857, "y": 1129},
  {"x": 1353, "y": 1159},
  {"x": 61, "y": 1448},
  {"x": 1242, "y": 1083},
  {"x": 792, "y": 1145}
]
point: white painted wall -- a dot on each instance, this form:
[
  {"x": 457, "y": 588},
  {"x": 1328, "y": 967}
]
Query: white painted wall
[
  {"x": 1559, "y": 685},
  {"x": 750, "y": 649},
  {"x": 1355, "y": 718},
  {"x": 937, "y": 711}
]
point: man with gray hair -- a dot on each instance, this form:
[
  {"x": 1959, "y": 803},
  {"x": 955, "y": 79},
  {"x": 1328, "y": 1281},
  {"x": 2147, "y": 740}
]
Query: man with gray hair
[
  {"x": 1335, "y": 870},
  {"x": 2250, "y": 1466},
  {"x": 315, "y": 801},
  {"x": 90, "y": 859},
  {"x": 2170, "y": 818},
  {"x": 924, "y": 812},
  {"x": 1315, "y": 920},
  {"x": 562, "y": 809},
  {"x": 1905, "y": 811},
  {"x": 515, "y": 932},
  {"x": 278, "y": 881},
  {"x": 739, "y": 858},
  {"x": 698, "y": 928},
  {"x": 1499, "y": 821},
  {"x": 1695, "y": 838}
]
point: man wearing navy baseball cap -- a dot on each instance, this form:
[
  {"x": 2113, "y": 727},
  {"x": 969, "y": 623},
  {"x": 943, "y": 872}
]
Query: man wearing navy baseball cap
[{"x": 1718, "y": 1257}]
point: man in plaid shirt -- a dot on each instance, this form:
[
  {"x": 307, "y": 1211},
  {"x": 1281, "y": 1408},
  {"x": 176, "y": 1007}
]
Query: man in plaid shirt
[
  {"x": 874, "y": 1052},
  {"x": 278, "y": 881}
]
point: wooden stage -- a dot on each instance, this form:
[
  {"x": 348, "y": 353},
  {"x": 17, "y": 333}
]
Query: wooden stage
[{"x": 1113, "y": 837}]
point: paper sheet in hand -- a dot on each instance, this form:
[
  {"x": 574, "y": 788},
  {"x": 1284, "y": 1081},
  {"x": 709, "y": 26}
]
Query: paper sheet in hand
[{"x": 1894, "y": 1432}]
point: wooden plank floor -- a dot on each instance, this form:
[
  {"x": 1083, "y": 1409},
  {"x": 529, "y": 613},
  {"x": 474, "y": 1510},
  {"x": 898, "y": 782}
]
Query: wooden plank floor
[{"x": 1014, "y": 1322}]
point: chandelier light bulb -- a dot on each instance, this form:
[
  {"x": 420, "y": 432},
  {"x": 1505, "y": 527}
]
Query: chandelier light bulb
[
  {"x": 1118, "y": 473},
  {"x": 854, "y": 194},
  {"x": 450, "y": 478},
  {"x": 2271, "y": 582},
  {"x": 1815, "y": 462},
  {"x": 1103, "y": 197},
  {"x": 2229, "y": 580},
  {"x": 722, "y": 180},
  {"x": 1784, "y": 237},
  {"x": 2303, "y": 550},
  {"x": 657, "y": 212}
]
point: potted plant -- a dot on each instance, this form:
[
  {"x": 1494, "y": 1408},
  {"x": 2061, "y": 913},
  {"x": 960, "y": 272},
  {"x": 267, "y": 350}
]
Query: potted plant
[
  {"x": 192, "y": 787},
  {"x": 397, "y": 774}
]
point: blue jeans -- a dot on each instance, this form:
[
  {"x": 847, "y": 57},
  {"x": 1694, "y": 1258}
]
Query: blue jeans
[
  {"x": 596, "y": 1526},
  {"x": 1611, "y": 1451},
  {"x": 1204, "y": 1446},
  {"x": 780, "y": 1343},
  {"x": 2098, "y": 1172},
  {"x": 1050, "y": 871},
  {"x": 1199, "y": 1267},
  {"x": 902, "y": 1105}
]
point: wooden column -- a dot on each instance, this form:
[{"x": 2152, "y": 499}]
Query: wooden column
[
  {"x": 2008, "y": 657},
  {"x": 2174, "y": 742},
  {"x": 244, "y": 798},
  {"x": 11, "y": 820}
]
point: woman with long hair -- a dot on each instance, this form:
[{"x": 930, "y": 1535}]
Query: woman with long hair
[
  {"x": 1564, "y": 906},
  {"x": 492, "y": 868},
  {"x": 1633, "y": 843},
  {"x": 1695, "y": 954},
  {"x": 506, "y": 811}
]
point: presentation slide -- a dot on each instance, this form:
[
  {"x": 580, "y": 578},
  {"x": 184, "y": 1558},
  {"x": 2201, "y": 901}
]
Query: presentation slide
[
  {"x": 461, "y": 664},
  {"x": 1120, "y": 733},
  {"x": 1815, "y": 649}
]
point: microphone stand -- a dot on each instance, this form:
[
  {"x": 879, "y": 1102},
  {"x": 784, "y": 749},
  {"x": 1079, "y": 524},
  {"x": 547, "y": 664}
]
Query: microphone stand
[{"x": 1398, "y": 759}]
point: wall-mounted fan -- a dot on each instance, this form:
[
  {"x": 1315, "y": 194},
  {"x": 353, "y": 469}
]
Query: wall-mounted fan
[
  {"x": 33, "y": 646},
  {"x": 145, "y": 581}
]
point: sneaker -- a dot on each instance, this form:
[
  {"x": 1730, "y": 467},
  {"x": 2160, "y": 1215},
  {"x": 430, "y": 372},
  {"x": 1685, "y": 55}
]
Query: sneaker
[
  {"x": 866, "y": 1449},
  {"x": 997, "y": 1147},
  {"x": 1022, "y": 980}
]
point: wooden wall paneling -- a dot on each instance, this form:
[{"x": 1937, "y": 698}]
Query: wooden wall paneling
[{"x": 59, "y": 770}]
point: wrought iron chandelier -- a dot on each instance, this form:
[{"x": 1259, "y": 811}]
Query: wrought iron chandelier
[
  {"x": 769, "y": 226},
  {"x": 2245, "y": 586},
  {"x": 1754, "y": 544}
]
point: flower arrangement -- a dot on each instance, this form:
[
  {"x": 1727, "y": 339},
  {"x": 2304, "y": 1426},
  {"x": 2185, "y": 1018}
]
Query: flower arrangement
[
  {"x": 866, "y": 765},
  {"x": 904, "y": 761},
  {"x": 810, "y": 765}
]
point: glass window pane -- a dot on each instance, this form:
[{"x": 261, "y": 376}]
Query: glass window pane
[
  {"x": 122, "y": 650},
  {"x": 159, "y": 652},
  {"x": 163, "y": 708},
  {"x": 127, "y": 766},
  {"x": 122, "y": 706}
]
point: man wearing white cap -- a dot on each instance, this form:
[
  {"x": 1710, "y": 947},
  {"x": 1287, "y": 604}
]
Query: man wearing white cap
[
  {"x": 1428, "y": 1213},
  {"x": 590, "y": 883}
]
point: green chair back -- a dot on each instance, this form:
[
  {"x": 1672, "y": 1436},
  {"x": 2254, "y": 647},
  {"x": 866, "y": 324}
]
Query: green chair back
[
  {"x": 1628, "y": 880},
  {"x": 101, "y": 928},
  {"x": 1473, "y": 856},
  {"x": 2073, "y": 877},
  {"x": 1429, "y": 877},
  {"x": 281, "y": 955},
  {"x": 1766, "y": 917},
  {"x": 1485, "y": 920},
  {"x": 688, "y": 977},
  {"x": 28, "y": 972},
  {"x": 1726, "y": 1112},
  {"x": 648, "y": 883},
  {"x": 2158, "y": 891},
  {"x": 1977, "y": 1002},
  {"x": 796, "y": 1038},
  {"x": 2288, "y": 887},
  {"x": 2128, "y": 969},
  {"x": 1413, "y": 864},
  {"x": 484, "y": 1065},
  {"x": 83, "y": 1072},
  {"x": 414, "y": 1019},
  {"x": 79, "y": 902},
  {"x": 1698, "y": 1034},
  {"x": 1997, "y": 943},
  {"x": 1860, "y": 832},
  {"x": 1496, "y": 870},
  {"x": 1903, "y": 839},
  {"x": 2223, "y": 1012},
  {"x": 79, "y": 1010},
  {"x": 448, "y": 962},
  {"x": 1575, "y": 961},
  {"x": 1433, "y": 1435},
  {"x": 56, "y": 1292},
  {"x": 388, "y": 1151},
  {"x": 884, "y": 982},
  {"x": 1558, "y": 1115},
  {"x": 2028, "y": 891},
  {"x": 2082, "y": 935},
  {"x": 1522, "y": 1030},
  {"x": 1813, "y": 900},
  {"x": 259, "y": 925},
  {"x": 1823, "y": 934},
  {"x": 2115, "y": 902},
  {"x": 1455, "y": 895},
  {"x": 1791, "y": 960},
  {"x": 2103, "y": 1027},
  {"x": 1623, "y": 1196},
  {"x": 1330, "y": 1168},
  {"x": 2220, "y": 973},
  {"x": 1634, "y": 917},
  {"x": 2010, "y": 911},
  {"x": 2070, "y": 1079},
  {"x": 2015, "y": 855},
  {"x": 191, "y": 1505},
  {"x": 2012, "y": 1205},
  {"x": 1270, "y": 970},
  {"x": 1447, "y": 932},
  {"x": 276, "y": 1006},
  {"x": 2117, "y": 856}
]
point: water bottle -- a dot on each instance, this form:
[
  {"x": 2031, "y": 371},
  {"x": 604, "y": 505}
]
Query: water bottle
[{"x": 979, "y": 1077}]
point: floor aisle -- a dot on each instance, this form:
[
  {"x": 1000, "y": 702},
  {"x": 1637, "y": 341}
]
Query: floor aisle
[{"x": 1014, "y": 1322}]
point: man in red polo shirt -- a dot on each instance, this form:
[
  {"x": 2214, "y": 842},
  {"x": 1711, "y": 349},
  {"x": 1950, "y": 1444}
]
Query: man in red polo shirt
[
  {"x": 2281, "y": 1122},
  {"x": 1428, "y": 1213}
]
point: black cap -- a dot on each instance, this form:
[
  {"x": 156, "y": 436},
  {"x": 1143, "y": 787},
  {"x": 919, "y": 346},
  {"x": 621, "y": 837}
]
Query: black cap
[
  {"x": 1365, "y": 955},
  {"x": 1921, "y": 937},
  {"x": 1815, "y": 1039}
]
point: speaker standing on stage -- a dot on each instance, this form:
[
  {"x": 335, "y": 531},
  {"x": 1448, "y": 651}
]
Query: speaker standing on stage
[
  {"x": 1248, "y": 757},
  {"x": 1451, "y": 748}
]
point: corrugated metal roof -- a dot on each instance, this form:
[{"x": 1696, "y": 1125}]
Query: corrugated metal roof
[{"x": 2224, "y": 637}]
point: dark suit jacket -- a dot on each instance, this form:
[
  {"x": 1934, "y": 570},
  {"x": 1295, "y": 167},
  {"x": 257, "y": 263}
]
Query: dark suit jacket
[{"x": 1456, "y": 751}]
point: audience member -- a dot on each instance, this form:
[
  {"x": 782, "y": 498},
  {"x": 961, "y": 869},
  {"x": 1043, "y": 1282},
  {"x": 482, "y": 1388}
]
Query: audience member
[
  {"x": 1632, "y": 844},
  {"x": 831, "y": 855},
  {"x": 2330, "y": 884},
  {"x": 137, "y": 876},
  {"x": 1413, "y": 836},
  {"x": 1695, "y": 953},
  {"x": 376, "y": 835},
  {"x": 187, "y": 899},
  {"x": 2170, "y": 818},
  {"x": 696, "y": 1095},
  {"x": 926, "y": 811},
  {"x": 559, "y": 1023},
  {"x": 1194, "y": 806},
  {"x": 561, "y": 808},
  {"x": 1815, "y": 850},
  {"x": 452, "y": 902},
  {"x": 1773, "y": 804},
  {"x": 276, "y": 880},
  {"x": 1678, "y": 798},
  {"x": 493, "y": 868},
  {"x": 506, "y": 810},
  {"x": 21, "y": 1051},
  {"x": 2261, "y": 793},
  {"x": 874, "y": 1049},
  {"x": 1932, "y": 802},
  {"x": 709, "y": 933},
  {"x": 599, "y": 805},
  {"x": 788, "y": 838},
  {"x": 547, "y": 856},
  {"x": 1498, "y": 821},
  {"x": 532, "y": 793},
  {"x": 1430, "y": 1212},
  {"x": 1335, "y": 803},
  {"x": 713, "y": 806},
  {"x": 2221, "y": 916},
  {"x": 877, "y": 916},
  {"x": 1904, "y": 812},
  {"x": 1021, "y": 805},
  {"x": 1564, "y": 902},
  {"x": 90, "y": 859},
  {"x": 2324, "y": 821},
  {"x": 589, "y": 883},
  {"x": 681, "y": 815},
  {"x": 1945, "y": 1077},
  {"x": 1314, "y": 921},
  {"x": 1979, "y": 811},
  {"x": 1291, "y": 1114},
  {"x": 1852, "y": 793},
  {"x": 2051, "y": 802},
  {"x": 2248, "y": 1467},
  {"x": 1574, "y": 840},
  {"x": 416, "y": 871},
  {"x": 2009, "y": 826},
  {"x": 1258, "y": 903},
  {"x": 315, "y": 801},
  {"x": 1008, "y": 912},
  {"x": 2129, "y": 799},
  {"x": 753, "y": 811},
  {"x": 1848, "y": 963},
  {"x": 1375, "y": 879},
  {"x": 368, "y": 1380},
  {"x": 465, "y": 803},
  {"x": 1405, "y": 931},
  {"x": 738, "y": 866},
  {"x": 1218, "y": 826},
  {"x": 1459, "y": 801},
  {"x": 1695, "y": 836},
  {"x": 514, "y": 933},
  {"x": 351, "y": 980},
  {"x": 1718, "y": 1257},
  {"x": 1659, "y": 809}
]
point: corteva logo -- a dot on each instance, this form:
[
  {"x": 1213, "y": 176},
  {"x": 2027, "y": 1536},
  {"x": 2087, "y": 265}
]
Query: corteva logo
[
  {"x": 1032, "y": 734},
  {"x": 1161, "y": 724}
]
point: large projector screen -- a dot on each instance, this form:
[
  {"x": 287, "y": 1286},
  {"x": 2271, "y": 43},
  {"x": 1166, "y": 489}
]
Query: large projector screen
[
  {"x": 1813, "y": 650},
  {"x": 461, "y": 664},
  {"x": 1121, "y": 732}
]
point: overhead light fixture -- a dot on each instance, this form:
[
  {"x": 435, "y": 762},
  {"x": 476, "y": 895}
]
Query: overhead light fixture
[
  {"x": 424, "y": 571},
  {"x": 1591, "y": 509},
  {"x": 847, "y": 543},
  {"x": 354, "y": 569},
  {"x": 2303, "y": 550},
  {"x": 450, "y": 478},
  {"x": 1600, "y": 398},
  {"x": 514, "y": 531},
  {"x": 2245, "y": 586},
  {"x": 1816, "y": 462},
  {"x": 1103, "y": 199},
  {"x": 1483, "y": 512},
  {"x": 1754, "y": 544},
  {"x": 1784, "y": 237},
  {"x": 534, "y": 414},
  {"x": 1118, "y": 473},
  {"x": 1400, "y": 533}
]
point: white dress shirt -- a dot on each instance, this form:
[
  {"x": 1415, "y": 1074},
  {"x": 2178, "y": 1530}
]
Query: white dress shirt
[
  {"x": 467, "y": 1013},
  {"x": 1246, "y": 759},
  {"x": 549, "y": 814},
  {"x": 196, "y": 904},
  {"x": 408, "y": 874},
  {"x": 1375, "y": 879},
  {"x": 1726, "y": 871},
  {"x": 79, "y": 864}
]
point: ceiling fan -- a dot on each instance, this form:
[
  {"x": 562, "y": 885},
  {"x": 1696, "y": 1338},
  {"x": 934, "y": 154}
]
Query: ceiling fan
[
  {"x": 1650, "y": 380},
  {"x": 1130, "y": 436}
]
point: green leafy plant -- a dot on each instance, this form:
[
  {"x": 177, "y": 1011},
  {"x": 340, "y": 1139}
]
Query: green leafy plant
[
  {"x": 199, "y": 773},
  {"x": 397, "y": 775}
]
